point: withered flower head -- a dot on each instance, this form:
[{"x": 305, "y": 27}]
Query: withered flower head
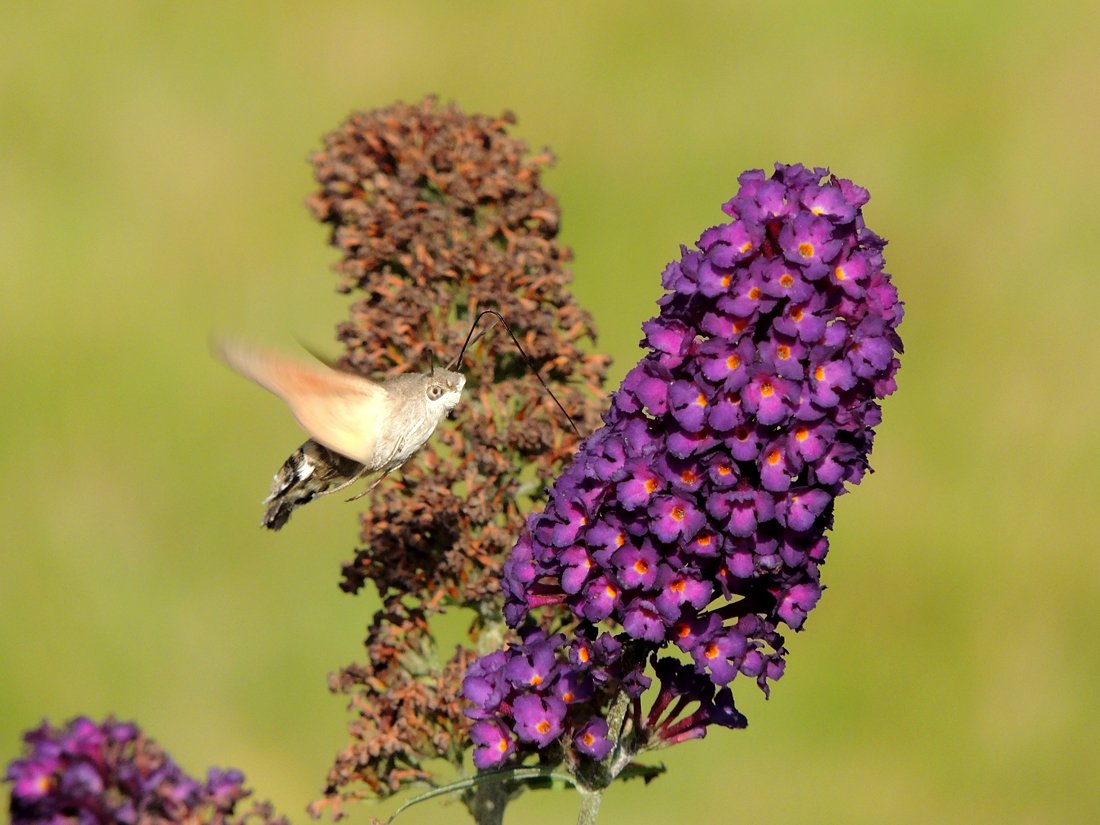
[{"x": 438, "y": 215}]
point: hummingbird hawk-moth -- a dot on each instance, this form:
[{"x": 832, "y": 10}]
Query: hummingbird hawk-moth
[{"x": 357, "y": 426}]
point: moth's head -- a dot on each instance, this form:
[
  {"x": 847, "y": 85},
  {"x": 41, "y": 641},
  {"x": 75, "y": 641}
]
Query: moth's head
[{"x": 443, "y": 390}]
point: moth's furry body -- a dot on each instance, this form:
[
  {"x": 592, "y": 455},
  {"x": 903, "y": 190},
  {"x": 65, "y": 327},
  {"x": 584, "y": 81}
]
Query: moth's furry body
[
  {"x": 311, "y": 471},
  {"x": 356, "y": 426}
]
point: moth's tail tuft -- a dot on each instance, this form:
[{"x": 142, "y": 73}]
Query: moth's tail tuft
[{"x": 311, "y": 471}]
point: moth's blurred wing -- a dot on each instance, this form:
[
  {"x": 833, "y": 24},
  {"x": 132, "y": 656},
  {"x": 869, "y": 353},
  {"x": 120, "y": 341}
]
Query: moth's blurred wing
[{"x": 337, "y": 409}]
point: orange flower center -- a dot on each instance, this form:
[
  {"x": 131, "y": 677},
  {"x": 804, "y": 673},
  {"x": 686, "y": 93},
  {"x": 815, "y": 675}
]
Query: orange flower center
[
  {"x": 806, "y": 249},
  {"x": 678, "y": 514}
]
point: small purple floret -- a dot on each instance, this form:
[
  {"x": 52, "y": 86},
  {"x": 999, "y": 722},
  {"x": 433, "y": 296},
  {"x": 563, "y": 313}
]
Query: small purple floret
[
  {"x": 492, "y": 744},
  {"x": 592, "y": 740}
]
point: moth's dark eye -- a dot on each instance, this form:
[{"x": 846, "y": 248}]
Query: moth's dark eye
[{"x": 435, "y": 391}]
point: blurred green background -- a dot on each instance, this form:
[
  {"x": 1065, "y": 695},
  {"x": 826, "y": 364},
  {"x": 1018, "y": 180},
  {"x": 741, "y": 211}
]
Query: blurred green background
[{"x": 152, "y": 173}]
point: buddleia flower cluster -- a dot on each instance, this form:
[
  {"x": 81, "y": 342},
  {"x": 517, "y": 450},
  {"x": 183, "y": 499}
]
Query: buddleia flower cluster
[
  {"x": 690, "y": 528},
  {"x": 439, "y": 214},
  {"x": 109, "y": 772}
]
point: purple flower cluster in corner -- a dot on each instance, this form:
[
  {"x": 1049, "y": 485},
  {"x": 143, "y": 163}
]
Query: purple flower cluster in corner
[
  {"x": 696, "y": 516},
  {"x": 110, "y": 773}
]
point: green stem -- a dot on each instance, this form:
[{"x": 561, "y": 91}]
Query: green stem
[
  {"x": 590, "y": 807},
  {"x": 593, "y": 783},
  {"x": 486, "y": 803},
  {"x": 616, "y": 715}
]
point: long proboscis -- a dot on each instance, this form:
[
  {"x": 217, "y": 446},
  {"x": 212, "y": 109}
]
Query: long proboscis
[{"x": 470, "y": 340}]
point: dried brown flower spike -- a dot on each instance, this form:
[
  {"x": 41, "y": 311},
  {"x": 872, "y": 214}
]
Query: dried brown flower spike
[{"x": 439, "y": 214}]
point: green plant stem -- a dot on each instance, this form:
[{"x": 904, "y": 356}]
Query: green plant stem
[
  {"x": 487, "y": 802},
  {"x": 616, "y": 715},
  {"x": 590, "y": 806}
]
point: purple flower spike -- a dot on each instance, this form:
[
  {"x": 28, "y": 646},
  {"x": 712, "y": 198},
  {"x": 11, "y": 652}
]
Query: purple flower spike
[
  {"x": 90, "y": 773},
  {"x": 697, "y": 515}
]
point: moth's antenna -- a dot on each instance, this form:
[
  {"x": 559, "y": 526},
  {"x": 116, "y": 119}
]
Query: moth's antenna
[{"x": 498, "y": 318}]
